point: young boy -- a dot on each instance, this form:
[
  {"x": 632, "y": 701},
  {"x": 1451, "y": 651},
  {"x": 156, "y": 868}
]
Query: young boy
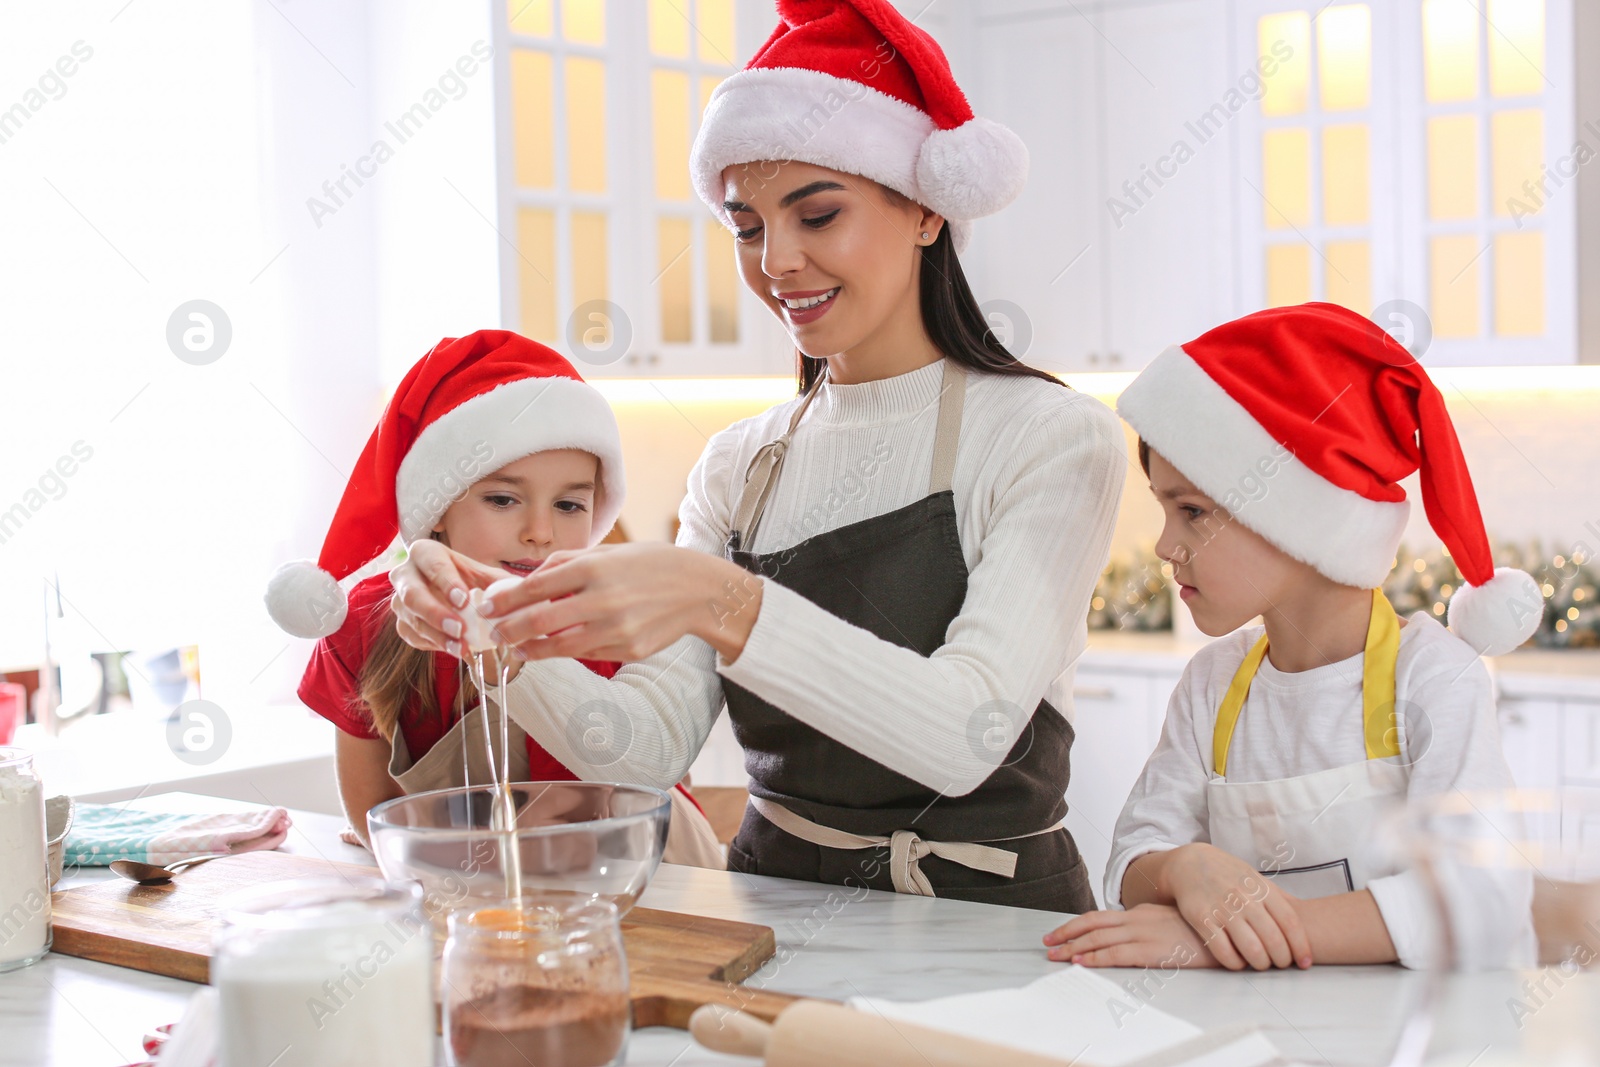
[{"x": 1275, "y": 444}]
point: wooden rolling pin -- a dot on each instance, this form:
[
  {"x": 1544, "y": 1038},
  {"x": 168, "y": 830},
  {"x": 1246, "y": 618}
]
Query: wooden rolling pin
[{"x": 816, "y": 1033}]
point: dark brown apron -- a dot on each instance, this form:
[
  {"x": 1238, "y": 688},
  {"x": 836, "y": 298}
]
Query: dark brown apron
[{"x": 848, "y": 819}]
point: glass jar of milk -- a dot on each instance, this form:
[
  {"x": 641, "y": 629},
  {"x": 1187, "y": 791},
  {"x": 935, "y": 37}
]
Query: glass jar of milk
[
  {"x": 317, "y": 972},
  {"x": 24, "y": 868}
]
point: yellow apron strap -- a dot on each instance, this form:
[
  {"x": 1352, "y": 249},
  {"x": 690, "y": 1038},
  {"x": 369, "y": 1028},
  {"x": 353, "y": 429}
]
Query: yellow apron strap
[
  {"x": 1377, "y": 688},
  {"x": 1233, "y": 704},
  {"x": 1377, "y": 679}
]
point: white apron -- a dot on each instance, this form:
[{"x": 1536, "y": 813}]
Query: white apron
[{"x": 1308, "y": 833}]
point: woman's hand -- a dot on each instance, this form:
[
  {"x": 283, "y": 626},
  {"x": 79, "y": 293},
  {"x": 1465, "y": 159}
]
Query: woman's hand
[
  {"x": 430, "y": 589},
  {"x": 626, "y": 602},
  {"x": 1243, "y": 918},
  {"x": 1147, "y": 935}
]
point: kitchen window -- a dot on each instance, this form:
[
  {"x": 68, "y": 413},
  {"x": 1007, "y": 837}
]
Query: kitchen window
[
  {"x": 1419, "y": 153},
  {"x": 609, "y": 255}
]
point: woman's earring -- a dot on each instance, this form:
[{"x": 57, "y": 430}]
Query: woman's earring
[{"x": 924, "y": 235}]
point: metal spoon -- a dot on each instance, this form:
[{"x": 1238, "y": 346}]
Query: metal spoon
[{"x": 150, "y": 874}]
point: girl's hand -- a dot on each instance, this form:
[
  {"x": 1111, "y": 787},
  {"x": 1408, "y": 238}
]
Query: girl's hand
[
  {"x": 1148, "y": 935},
  {"x": 1243, "y": 918},
  {"x": 430, "y": 588},
  {"x": 625, "y": 602}
]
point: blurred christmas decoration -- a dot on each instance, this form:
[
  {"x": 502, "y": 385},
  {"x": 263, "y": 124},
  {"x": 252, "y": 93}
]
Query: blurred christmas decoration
[
  {"x": 1135, "y": 590},
  {"x": 1134, "y": 593},
  {"x": 1426, "y": 582}
]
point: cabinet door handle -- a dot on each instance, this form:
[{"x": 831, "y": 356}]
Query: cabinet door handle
[{"x": 1094, "y": 692}]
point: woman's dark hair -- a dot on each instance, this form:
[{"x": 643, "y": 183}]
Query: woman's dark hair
[
  {"x": 1144, "y": 456},
  {"x": 951, "y": 315}
]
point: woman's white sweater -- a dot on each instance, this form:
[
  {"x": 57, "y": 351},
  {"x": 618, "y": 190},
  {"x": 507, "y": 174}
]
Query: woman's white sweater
[{"x": 1037, "y": 484}]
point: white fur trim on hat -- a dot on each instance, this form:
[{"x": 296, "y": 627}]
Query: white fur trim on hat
[
  {"x": 305, "y": 600},
  {"x": 1498, "y": 615},
  {"x": 786, "y": 113},
  {"x": 499, "y": 427},
  {"x": 1182, "y": 413}
]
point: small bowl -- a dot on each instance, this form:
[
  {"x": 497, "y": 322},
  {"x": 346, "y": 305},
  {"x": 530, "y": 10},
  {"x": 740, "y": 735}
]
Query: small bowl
[
  {"x": 574, "y": 839},
  {"x": 57, "y": 823}
]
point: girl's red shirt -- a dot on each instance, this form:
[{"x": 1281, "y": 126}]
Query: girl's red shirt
[{"x": 331, "y": 686}]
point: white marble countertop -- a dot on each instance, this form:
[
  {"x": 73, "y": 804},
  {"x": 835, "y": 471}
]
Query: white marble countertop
[{"x": 65, "y": 1011}]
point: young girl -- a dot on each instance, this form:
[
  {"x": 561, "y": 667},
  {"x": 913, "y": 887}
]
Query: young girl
[
  {"x": 1274, "y": 444},
  {"x": 494, "y": 446}
]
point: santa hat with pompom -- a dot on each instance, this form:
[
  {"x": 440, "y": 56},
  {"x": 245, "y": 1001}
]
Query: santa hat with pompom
[
  {"x": 468, "y": 408},
  {"x": 854, "y": 86},
  {"x": 1300, "y": 422}
]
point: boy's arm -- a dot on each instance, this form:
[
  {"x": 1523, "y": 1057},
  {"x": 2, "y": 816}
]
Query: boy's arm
[
  {"x": 1167, "y": 806},
  {"x": 1346, "y": 928}
]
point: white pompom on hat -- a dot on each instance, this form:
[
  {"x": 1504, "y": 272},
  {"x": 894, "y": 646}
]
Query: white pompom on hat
[
  {"x": 469, "y": 407},
  {"x": 855, "y": 86},
  {"x": 1300, "y": 422}
]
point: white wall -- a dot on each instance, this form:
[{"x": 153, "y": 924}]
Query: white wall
[{"x": 175, "y": 163}]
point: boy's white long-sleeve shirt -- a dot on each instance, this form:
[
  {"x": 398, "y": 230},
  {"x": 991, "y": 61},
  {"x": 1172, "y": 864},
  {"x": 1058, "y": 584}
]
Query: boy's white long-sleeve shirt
[
  {"x": 1037, "y": 484},
  {"x": 1309, "y": 721}
]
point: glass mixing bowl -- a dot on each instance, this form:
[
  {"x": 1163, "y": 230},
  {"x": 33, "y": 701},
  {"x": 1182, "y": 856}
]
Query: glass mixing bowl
[{"x": 574, "y": 840}]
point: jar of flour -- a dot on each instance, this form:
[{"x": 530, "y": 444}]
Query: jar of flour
[{"x": 24, "y": 868}]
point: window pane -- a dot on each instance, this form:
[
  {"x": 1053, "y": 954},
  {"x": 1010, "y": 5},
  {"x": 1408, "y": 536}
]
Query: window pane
[
  {"x": 583, "y": 21},
  {"x": 1518, "y": 141},
  {"x": 722, "y": 283},
  {"x": 1286, "y": 177},
  {"x": 1456, "y": 262},
  {"x": 1344, "y": 57},
  {"x": 529, "y": 16},
  {"x": 669, "y": 28},
  {"x": 586, "y": 125},
  {"x": 675, "y": 266},
  {"x": 1516, "y": 47},
  {"x": 532, "y": 134},
  {"x": 536, "y": 272},
  {"x": 707, "y": 87},
  {"x": 1519, "y": 284},
  {"x": 714, "y": 41},
  {"x": 589, "y": 266},
  {"x": 1349, "y": 277},
  {"x": 1450, "y": 49},
  {"x": 1289, "y": 87},
  {"x": 1453, "y": 167},
  {"x": 1346, "y": 175},
  {"x": 1288, "y": 274},
  {"x": 669, "y": 103}
]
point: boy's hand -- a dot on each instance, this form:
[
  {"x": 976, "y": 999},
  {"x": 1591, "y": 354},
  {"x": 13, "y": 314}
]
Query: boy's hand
[
  {"x": 1147, "y": 935},
  {"x": 1243, "y": 918}
]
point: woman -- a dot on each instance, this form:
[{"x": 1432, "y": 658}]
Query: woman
[{"x": 886, "y": 579}]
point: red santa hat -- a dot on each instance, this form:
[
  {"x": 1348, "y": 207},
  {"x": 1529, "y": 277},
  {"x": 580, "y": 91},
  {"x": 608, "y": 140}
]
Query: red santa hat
[
  {"x": 468, "y": 408},
  {"x": 854, "y": 86},
  {"x": 1301, "y": 421}
]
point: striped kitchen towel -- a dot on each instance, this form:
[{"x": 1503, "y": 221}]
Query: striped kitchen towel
[{"x": 102, "y": 833}]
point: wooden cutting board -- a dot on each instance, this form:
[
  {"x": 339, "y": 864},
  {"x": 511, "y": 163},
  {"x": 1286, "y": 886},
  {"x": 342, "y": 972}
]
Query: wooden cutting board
[{"x": 676, "y": 963}]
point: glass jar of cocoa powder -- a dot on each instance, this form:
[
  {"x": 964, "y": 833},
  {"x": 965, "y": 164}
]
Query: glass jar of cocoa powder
[{"x": 542, "y": 981}]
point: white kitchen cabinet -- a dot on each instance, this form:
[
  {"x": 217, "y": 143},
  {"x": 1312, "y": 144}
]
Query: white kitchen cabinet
[
  {"x": 1117, "y": 717},
  {"x": 1107, "y": 278},
  {"x": 1530, "y": 733},
  {"x": 1167, "y": 268},
  {"x": 1580, "y": 747},
  {"x": 1042, "y": 255}
]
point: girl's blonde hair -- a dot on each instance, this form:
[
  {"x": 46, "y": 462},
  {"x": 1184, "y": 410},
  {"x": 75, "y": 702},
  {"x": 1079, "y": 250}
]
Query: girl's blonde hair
[{"x": 395, "y": 674}]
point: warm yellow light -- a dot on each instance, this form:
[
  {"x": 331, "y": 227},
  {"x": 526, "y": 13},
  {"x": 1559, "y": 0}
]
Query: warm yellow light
[
  {"x": 1344, "y": 57},
  {"x": 1288, "y": 274},
  {"x": 1286, "y": 178},
  {"x": 1289, "y": 88},
  {"x": 1516, "y": 47},
  {"x": 1450, "y": 49},
  {"x": 1346, "y": 174},
  {"x": 1453, "y": 166}
]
